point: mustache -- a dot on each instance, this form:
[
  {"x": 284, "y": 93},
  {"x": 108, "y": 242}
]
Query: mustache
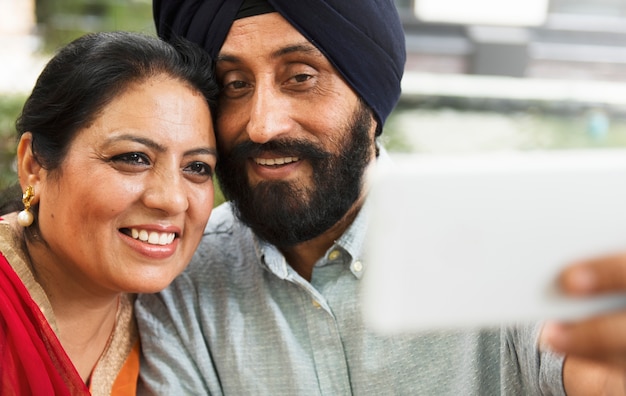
[{"x": 286, "y": 147}]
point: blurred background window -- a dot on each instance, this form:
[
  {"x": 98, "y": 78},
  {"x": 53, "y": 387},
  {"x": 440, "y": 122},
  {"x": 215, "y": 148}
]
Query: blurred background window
[{"x": 589, "y": 7}]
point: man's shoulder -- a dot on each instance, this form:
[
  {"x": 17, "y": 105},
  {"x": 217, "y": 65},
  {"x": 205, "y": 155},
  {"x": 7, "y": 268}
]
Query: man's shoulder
[
  {"x": 222, "y": 220},
  {"x": 225, "y": 238}
]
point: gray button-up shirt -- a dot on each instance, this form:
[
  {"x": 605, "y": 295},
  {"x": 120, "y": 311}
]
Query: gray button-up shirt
[{"x": 241, "y": 321}]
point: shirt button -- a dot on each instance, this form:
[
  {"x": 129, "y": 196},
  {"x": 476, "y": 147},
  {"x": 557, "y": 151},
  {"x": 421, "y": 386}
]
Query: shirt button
[
  {"x": 357, "y": 266},
  {"x": 334, "y": 255}
]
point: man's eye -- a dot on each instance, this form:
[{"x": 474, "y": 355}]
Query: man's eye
[
  {"x": 235, "y": 85},
  {"x": 299, "y": 78},
  {"x": 132, "y": 158},
  {"x": 235, "y": 89},
  {"x": 238, "y": 84}
]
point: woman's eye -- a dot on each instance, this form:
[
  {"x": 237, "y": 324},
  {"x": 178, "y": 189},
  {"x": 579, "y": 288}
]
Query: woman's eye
[
  {"x": 132, "y": 159},
  {"x": 199, "y": 169}
]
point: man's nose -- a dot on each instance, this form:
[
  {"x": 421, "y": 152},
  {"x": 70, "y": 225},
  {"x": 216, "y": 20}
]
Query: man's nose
[{"x": 269, "y": 115}]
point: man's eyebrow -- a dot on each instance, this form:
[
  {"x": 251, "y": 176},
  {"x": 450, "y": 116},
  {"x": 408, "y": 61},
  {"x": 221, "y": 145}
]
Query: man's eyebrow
[
  {"x": 302, "y": 47},
  {"x": 305, "y": 47}
]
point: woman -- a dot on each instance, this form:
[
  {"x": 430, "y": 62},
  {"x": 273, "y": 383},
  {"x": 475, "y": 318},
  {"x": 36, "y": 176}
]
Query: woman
[{"x": 115, "y": 161}]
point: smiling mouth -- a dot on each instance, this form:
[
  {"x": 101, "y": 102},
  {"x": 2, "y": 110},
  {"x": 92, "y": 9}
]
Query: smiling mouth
[
  {"x": 150, "y": 237},
  {"x": 275, "y": 161}
]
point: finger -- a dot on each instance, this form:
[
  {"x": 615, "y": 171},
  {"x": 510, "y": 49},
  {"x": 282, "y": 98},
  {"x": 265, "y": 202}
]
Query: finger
[
  {"x": 600, "y": 275},
  {"x": 601, "y": 338},
  {"x": 588, "y": 378}
]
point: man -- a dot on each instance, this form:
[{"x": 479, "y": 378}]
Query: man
[{"x": 270, "y": 303}]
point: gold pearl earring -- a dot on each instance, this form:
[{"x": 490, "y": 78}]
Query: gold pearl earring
[{"x": 25, "y": 218}]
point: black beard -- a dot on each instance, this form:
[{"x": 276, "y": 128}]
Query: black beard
[{"x": 285, "y": 213}]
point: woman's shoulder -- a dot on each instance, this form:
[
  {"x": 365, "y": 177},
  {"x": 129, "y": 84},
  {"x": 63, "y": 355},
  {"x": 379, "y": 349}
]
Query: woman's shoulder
[{"x": 120, "y": 360}]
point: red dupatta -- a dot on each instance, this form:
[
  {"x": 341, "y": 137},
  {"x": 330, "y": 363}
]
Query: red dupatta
[{"x": 32, "y": 360}]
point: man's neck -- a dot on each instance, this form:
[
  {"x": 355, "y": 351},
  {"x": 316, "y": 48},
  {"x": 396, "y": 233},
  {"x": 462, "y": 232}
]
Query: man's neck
[{"x": 302, "y": 257}]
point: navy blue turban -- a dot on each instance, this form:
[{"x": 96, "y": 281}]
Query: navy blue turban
[{"x": 363, "y": 39}]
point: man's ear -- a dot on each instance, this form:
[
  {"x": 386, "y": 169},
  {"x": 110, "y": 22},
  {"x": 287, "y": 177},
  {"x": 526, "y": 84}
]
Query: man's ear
[{"x": 29, "y": 171}]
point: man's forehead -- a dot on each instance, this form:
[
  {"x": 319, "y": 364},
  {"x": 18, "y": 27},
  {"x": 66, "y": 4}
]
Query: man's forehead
[
  {"x": 269, "y": 33},
  {"x": 265, "y": 24}
]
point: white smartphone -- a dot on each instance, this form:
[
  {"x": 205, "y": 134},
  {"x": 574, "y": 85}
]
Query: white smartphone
[{"x": 479, "y": 240}]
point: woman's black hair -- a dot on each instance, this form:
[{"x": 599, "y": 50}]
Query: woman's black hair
[{"x": 89, "y": 73}]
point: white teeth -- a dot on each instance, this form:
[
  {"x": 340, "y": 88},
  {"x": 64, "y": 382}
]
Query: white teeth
[
  {"x": 275, "y": 161},
  {"x": 166, "y": 238},
  {"x": 153, "y": 237}
]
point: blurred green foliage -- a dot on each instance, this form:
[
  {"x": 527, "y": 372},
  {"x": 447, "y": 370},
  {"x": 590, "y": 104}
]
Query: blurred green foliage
[
  {"x": 10, "y": 107},
  {"x": 61, "y": 21}
]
